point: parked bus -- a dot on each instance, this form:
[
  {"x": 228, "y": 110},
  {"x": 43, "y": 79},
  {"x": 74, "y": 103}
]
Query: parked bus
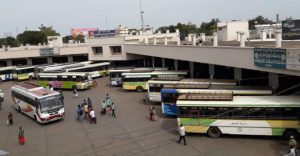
[
  {"x": 6, "y": 73},
  {"x": 154, "y": 86},
  {"x": 244, "y": 115},
  {"x": 116, "y": 73},
  {"x": 24, "y": 73},
  {"x": 96, "y": 70},
  {"x": 137, "y": 81},
  {"x": 69, "y": 80},
  {"x": 37, "y": 102},
  {"x": 63, "y": 67},
  {"x": 169, "y": 94}
]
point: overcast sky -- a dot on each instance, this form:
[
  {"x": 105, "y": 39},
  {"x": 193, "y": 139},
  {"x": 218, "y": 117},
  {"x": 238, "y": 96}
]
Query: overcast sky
[{"x": 63, "y": 15}]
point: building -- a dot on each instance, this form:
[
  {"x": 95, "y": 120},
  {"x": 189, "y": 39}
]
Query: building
[{"x": 229, "y": 31}]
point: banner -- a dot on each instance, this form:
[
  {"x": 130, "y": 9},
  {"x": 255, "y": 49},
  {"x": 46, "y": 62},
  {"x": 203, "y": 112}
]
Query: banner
[
  {"x": 291, "y": 30},
  {"x": 268, "y": 57},
  {"x": 293, "y": 59}
]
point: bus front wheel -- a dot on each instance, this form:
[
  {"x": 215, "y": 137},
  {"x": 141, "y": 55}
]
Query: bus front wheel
[
  {"x": 290, "y": 132},
  {"x": 74, "y": 87},
  {"x": 214, "y": 132},
  {"x": 139, "y": 89}
]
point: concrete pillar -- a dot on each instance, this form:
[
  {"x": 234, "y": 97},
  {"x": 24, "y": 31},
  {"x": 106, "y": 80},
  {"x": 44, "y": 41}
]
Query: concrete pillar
[
  {"x": 192, "y": 69},
  {"x": 176, "y": 64},
  {"x": 237, "y": 75},
  {"x": 270, "y": 33},
  {"x": 278, "y": 38},
  {"x": 154, "y": 41},
  {"x": 8, "y": 47},
  {"x": 144, "y": 62},
  {"x": 273, "y": 80},
  {"x": 211, "y": 71},
  {"x": 190, "y": 37},
  {"x": 202, "y": 36},
  {"x": 70, "y": 58},
  {"x": 9, "y": 63},
  {"x": 29, "y": 61},
  {"x": 263, "y": 35},
  {"x": 194, "y": 39},
  {"x": 146, "y": 41},
  {"x": 242, "y": 39},
  {"x": 215, "y": 39},
  {"x": 159, "y": 32},
  {"x": 49, "y": 60},
  {"x": 177, "y": 31},
  {"x": 167, "y": 31},
  {"x": 166, "y": 40},
  {"x": 153, "y": 62},
  {"x": 163, "y": 62},
  {"x": 178, "y": 40},
  {"x": 238, "y": 38}
]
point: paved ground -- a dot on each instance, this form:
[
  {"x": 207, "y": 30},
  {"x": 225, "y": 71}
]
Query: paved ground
[{"x": 131, "y": 133}]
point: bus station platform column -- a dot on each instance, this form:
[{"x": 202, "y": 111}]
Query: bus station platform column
[
  {"x": 192, "y": 69},
  {"x": 29, "y": 61},
  {"x": 163, "y": 62},
  {"x": 211, "y": 70},
  {"x": 153, "y": 62},
  {"x": 49, "y": 60},
  {"x": 273, "y": 80},
  {"x": 70, "y": 58},
  {"x": 237, "y": 75},
  {"x": 176, "y": 64},
  {"x": 9, "y": 63}
]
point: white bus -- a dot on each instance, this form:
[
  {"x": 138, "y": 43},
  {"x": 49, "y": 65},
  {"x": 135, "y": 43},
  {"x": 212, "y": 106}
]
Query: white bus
[
  {"x": 243, "y": 115},
  {"x": 154, "y": 86},
  {"x": 37, "y": 102},
  {"x": 137, "y": 81},
  {"x": 96, "y": 70},
  {"x": 6, "y": 73},
  {"x": 24, "y": 72},
  {"x": 116, "y": 73},
  {"x": 63, "y": 67}
]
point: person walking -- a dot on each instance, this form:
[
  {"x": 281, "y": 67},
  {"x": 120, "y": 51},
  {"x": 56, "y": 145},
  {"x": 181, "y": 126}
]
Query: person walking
[
  {"x": 181, "y": 130},
  {"x": 292, "y": 152},
  {"x": 146, "y": 98},
  {"x": 150, "y": 112},
  {"x": 108, "y": 101},
  {"x": 79, "y": 113},
  {"x": 21, "y": 136},
  {"x": 93, "y": 116},
  {"x": 113, "y": 109},
  {"x": 10, "y": 118},
  {"x": 89, "y": 102},
  {"x": 61, "y": 96},
  {"x": 292, "y": 142},
  {"x": 75, "y": 93},
  {"x": 153, "y": 114},
  {"x": 103, "y": 108},
  {"x": 86, "y": 110}
]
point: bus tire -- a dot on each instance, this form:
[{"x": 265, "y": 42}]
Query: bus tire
[
  {"x": 74, "y": 87},
  {"x": 290, "y": 132},
  {"x": 139, "y": 89},
  {"x": 214, "y": 132},
  {"x": 30, "y": 77},
  {"x": 19, "y": 109}
]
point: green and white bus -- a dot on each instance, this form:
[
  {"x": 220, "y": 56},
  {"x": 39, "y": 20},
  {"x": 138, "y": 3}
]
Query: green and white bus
[
  {"x": 37, "y": 102},
  {"x": 24, "y": 72},
  {"x": 243, "y": 115},
  {"x": 96, "y": 70},
  {"x": 116, "y": 73},
  {"x": 62, "y": 67},
  {"x": 137, "y": 81},
  {"x": 69, "y": 80},
  {"x": 6, "y": 73}
]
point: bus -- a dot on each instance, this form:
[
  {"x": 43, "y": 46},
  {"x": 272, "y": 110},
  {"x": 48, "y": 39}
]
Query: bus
[
  {"x": 24, "y": 72},
  {"x": 37, "y": 102},
  {"x": 96, "y": 70},
  {"x": 62, "y": 67},
  {"x": 169, "y": 94},
  {"x": 137, "y": 81},
  {"x": 116, "y": 73},
  {"x": 154, "y": 86},
  {"x": 6, "y": 73},
  {"x": 243, "y": 115},
  {"x": 65, "y": 80}
]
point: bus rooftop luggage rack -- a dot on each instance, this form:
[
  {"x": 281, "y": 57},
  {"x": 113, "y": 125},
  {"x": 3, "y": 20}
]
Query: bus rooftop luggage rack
[{"x": 207, "y": 96}]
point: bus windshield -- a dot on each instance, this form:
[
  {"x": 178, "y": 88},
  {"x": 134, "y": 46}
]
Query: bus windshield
[{"x": 51, "y": 103}]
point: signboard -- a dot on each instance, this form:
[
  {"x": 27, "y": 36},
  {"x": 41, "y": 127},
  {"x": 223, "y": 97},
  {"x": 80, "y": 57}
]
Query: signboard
[
  {"x": 268, "y": 57},
  {"x": 82, "y": 31},
  {"x": 49, "y": 51},
  {"x": 291, "y": 30},
  {"x": 293, "y": 59},
  {"x": 105, "y": 33}
]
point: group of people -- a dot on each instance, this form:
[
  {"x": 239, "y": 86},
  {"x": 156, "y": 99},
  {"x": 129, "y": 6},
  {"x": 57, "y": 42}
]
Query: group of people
[
  {"x": 86, "y": 111},
  {"x": 108, "y": 105},
  {"x": 10, "y": 121}
]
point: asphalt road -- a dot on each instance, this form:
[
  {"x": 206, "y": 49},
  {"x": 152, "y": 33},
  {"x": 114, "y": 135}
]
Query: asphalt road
[{"x": 130, "y": 133}]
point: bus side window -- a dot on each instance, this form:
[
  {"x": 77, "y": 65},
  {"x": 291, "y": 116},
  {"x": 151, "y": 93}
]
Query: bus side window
[{"x": 59, "y": 78}]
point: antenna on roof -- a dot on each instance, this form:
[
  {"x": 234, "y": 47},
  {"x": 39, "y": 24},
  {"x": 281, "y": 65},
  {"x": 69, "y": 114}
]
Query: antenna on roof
[{"x": 142, "y": 17}]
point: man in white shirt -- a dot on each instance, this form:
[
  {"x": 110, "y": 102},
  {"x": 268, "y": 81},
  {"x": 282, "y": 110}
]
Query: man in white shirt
[
  {"x": 181, "y": 130},
  {"x": 92, "y": 115}
]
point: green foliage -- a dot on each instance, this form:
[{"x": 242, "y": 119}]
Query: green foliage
[
  {"x": 67, "y": 38},
  {"x": 32, "y": 37},
  {"x": 258, "y": 20},
  {"x": 48, "y": 31},
  {"x": 11, "y": 41},
  {"x": 210, "y": 27}
]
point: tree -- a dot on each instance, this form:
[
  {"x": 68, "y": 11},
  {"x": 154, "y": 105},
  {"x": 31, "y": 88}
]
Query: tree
[
  {"x": 184, "y": 29},
  {"x": 11, "y": 41},
  {"x": 32, "y": 37},
  {"x": 210, "y": 27},
  {"x": 258, "y": 20},
  {"x": 48, "y": 31},
  {"x": 79, "y": 38},
  {"x": 67, "y": 38}
]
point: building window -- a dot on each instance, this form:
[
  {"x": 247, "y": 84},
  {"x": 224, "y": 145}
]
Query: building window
[
  {"x": 97, "y": 50},
  {"x": 116, "y": 49}
]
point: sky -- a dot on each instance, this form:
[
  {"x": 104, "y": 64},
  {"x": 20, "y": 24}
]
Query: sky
[{"x": 17, "y": 15}]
